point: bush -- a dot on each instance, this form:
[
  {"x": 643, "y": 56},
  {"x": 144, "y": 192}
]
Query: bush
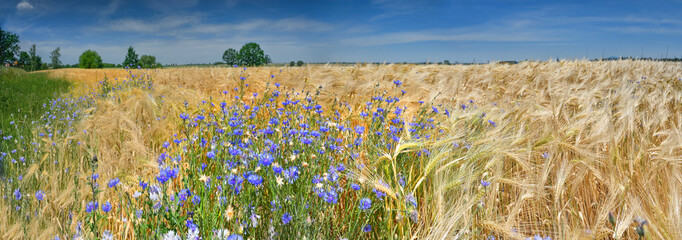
[
  {"x": 148, "y": 61},
  {"x": 299, "y": 63},
  {"x": 90, "y": 59},
  {"x": 231, "y": 57},
  {"x": 292, "y": 63}
]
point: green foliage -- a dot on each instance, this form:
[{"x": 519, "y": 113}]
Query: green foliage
[
  {"x": 90, "y": 59},
  {"x": 54, "y": 56},
  {"x": 21, "y": 98},
  {"x": 148, "y": 61},
  {"x": 9, "y": 47},
  {"x": 299, "y": 63},
  {"x": 292, "y": 63},
  {"x": 446, "y": 62},
  {"x": 35, "y": 63},
  {"x": 231, "y": 56},
  {"x": 131, "y": 58},
  {"x": 252, "y": 55},
  {"x": 24, "y": 60}
]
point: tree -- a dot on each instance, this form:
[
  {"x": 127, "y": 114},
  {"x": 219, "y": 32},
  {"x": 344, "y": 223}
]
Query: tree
[
  {"x": 231, "y": 57},
  {"x": 24, "y": 60},
  {"x": 35, "y": 63},
  {"x": 147, "y": 61},
  {"x": 446, "y": 62},
  {"x": 90, "y": 59},
  {"x": 299, "y": 63},
  {"x": 131, "y": 58},
  {"x": 252, "y": 55},
  {"x": 54, "y": 55},
  {"x": 292, "y": 63},
  {"x": 9, "y": 47}
]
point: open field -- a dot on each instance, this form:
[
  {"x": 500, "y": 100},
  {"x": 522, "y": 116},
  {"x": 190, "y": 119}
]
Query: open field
[{"x": 567, "y": 150}]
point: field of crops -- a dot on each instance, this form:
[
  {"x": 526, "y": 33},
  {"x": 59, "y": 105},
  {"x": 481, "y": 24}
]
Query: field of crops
[{"x": 560, "y": 150}]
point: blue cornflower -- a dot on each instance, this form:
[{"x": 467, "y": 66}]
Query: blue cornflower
[
  {"x": 184, "y": 116},
  {"x": 235, "y": 237},
  {"x": 341, "y": 167},
  {"x": 196, "y": 200},
  {"x": 40, "y": 195},
  {"x": 492, "y": 123},
  {"x": 484, "y": 183},
  {"x": 265, "y": 159},
  {"x": 380, "y": 195},
  {"x": 95, "y": 176},
  {"x": 355, "y": 187},
  {"x": 277, "y": 169},
  {"x": 545, "y": 155},
  {"x": 113, "y": 182},
  {"x": 291, "y": 174},
  {"x": 286, "y": 218},
  {"x": 17, "y": 194},
  {"x": 365, "y": 204},
  {"x": 166, "y": 144},
  {"x": 367, "y": 228},
  {"x": 410, "y": 199},
  {"x": 106, "y": 207},
  {"x": 397, "y": 82},
  {"x": 210, "y": 154},
  {"x": 143, "y": 184},
  {"x": 254, "y": 179},
  {"x": 359, "y": 129},
  {"x": 92, "y": 206}
]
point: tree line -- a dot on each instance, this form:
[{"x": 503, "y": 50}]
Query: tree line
[{"x": 250, "y": 54}]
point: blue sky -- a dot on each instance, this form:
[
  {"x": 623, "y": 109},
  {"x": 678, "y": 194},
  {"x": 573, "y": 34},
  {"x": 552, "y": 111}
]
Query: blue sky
[{"x": 198, "y": 31}]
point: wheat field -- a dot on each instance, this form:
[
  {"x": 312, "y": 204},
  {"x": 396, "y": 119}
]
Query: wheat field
[{"x": 567, "y": 150}]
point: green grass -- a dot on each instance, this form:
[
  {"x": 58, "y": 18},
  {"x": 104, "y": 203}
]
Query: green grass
[{"x": 22, "y": 96}]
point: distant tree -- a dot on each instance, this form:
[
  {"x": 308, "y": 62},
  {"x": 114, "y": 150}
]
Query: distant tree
[
  {"x": 35, "y": 63},
  {"x": 9, "y": 47},
  {"x": 251, "y": 55},
  {"x": 54, "y": 56},
  {"x": 147, "y": 61},
  {"x": 44, "y": 66},
  {"x": 90, "y": 59},
  {"x": 268, "y": 60},
  {"x": 231, "y": 56},
  {"x": 446, "y": 62},
  {"x": 299, "y": 63},
  {"x": 24, "y": 60},
  {"x": 131, "y": 58},
  {"x": 292, "y": 63}
]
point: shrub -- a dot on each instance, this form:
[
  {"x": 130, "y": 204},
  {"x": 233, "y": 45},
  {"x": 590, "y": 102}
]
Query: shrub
[
  {"x": 148, "y": 61},
  {"x": 90, "y": 59}
]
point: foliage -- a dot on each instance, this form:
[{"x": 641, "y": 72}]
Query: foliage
[
  {"x": 22, "y": 97},
  {"x": 131, "y": 59},
  {"x": 9, "y": 46},
  {"x": 292, "y": 64},
  {"x": 148, "y": 61},
  {"x": 231, "y": 57},
  {"x": 24, "y": 60},
  {"x": 54, "y": 56},
  {"x": 299, "y": 63},
  {"x": 35, "y": 63},
  {"x": 90, "y": 59},
  {"x": 252, "y": 55}
]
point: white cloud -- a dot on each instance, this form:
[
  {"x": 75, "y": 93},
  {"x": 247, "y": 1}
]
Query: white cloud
[
  {"x": 24, "y": 5},
  {"x": 184, "y": 26},
  {"x": 494, "y": 34}
]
